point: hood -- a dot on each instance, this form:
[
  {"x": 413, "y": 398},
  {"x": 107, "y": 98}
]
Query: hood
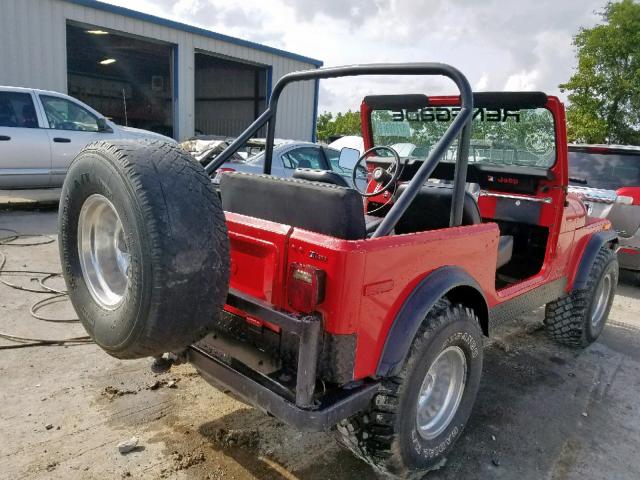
[
  {"x": 597, "y": 201},
  {"x": 138, "y": 133},
  {"x": 598, "y": 195}
]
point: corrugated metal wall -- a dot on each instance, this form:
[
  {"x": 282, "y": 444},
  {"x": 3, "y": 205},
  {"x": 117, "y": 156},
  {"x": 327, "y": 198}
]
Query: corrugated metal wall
[
  {"x": 33, "y": 54},
  {"x": 227, "y": 95}
]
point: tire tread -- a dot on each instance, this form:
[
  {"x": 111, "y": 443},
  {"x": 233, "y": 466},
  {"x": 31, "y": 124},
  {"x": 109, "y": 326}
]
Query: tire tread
[{"x": 565, "y": 318}]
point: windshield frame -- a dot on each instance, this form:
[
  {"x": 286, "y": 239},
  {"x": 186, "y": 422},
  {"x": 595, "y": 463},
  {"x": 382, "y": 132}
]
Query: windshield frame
[{"x": 454, "y": 102}]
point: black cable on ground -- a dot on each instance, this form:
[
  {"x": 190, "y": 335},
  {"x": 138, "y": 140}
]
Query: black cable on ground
[{"x": 58, "y": 295}]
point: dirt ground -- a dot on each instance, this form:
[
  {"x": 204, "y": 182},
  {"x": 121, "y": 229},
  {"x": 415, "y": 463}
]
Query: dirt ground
[{"x": 543, "y": 411}]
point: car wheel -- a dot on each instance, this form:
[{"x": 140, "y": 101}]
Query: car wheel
[
  {"x": 418, "y": 415},
  {"x": 144, "y": 247},
  {"x": 577, "y": 319}
]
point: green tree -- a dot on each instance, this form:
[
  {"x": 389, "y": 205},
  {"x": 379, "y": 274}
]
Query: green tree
[
  {"x": 347, "y": 123},
  {"x": 604, "y": 92}
]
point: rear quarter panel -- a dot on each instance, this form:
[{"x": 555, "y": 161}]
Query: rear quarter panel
[
  {"x": 401, "y": 262},
  {"x": 369, "y": 280},
  {"x": 258, "y": 256}
]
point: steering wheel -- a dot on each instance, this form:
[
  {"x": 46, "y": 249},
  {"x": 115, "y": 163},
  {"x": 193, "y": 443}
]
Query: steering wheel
[{"x": 385, "y": 178}]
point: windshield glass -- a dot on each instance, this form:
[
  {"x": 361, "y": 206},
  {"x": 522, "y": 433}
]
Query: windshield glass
[
  {"x": 499, "y": 136},
  {"x": 608, "y": 171}
]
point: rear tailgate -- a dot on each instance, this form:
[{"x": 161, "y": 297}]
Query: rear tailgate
[{"x": 258, "y": 257}]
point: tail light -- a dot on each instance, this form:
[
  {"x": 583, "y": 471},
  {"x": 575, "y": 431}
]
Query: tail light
[
  {"x": 305, "y": 287},
  {"x": 219, "y": 173},
  {"x": 628, "y": 195}
]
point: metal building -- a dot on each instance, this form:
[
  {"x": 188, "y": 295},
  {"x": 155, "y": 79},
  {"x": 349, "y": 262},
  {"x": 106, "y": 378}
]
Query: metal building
[{"x": 150, "y": 72}]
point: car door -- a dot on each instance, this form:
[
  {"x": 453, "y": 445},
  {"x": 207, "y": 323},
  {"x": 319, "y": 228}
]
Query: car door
[
  {"x": 71, "y": 128},
  {"x": 25, "y": 155},
  {"x": 309, "y": 156}
]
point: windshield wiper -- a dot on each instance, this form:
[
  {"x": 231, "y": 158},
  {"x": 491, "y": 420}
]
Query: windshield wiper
[{"x": 580, "y": 180}]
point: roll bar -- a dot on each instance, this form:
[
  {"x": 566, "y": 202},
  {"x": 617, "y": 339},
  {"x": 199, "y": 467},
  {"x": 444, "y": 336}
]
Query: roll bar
[{"x": 460, "y": 127}]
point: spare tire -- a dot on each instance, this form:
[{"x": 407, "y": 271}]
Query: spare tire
[{"x": 144, "y": 247}]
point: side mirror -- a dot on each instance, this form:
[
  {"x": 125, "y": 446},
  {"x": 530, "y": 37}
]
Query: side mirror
[
  {"x": 103, "y": 126},
  {"x": 348, "y": 158}
]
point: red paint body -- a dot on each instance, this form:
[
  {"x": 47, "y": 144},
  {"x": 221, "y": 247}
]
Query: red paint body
[{"x": 367, "y": 281}]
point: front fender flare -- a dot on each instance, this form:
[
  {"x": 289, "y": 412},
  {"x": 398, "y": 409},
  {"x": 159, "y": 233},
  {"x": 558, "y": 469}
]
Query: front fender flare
[
  {"x": 415, "y": 308},
  {"x": 596, "y": 242}
]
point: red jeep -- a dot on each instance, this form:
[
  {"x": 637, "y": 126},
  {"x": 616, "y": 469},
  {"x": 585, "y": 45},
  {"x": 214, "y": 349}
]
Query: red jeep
[{"x": 324, "y": 305}]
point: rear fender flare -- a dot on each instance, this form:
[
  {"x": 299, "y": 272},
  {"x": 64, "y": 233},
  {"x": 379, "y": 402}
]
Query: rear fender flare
[
  {"x": 440, "y": 282},
  {"x": 596, "y": 242}
]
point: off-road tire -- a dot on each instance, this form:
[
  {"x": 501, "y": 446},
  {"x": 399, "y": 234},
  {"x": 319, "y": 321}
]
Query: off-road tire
[
  {"x": 568, "y": 319},
  {"x": 176, "y": 235},
  {"x": 386, "y": 435}
]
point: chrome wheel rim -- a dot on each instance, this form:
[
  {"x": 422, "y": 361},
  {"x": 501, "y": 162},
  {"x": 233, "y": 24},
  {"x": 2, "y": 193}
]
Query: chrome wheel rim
[
  {"x": 601, "y": 296},
  {"x": 104, "y": 256},
  {"x": 441, "y": 392}
]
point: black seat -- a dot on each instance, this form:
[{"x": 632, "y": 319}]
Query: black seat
[
  {"x": 323, "y": 176},
  {"x": 329, "y": 209},
  {"x": 431, "y": 208},
  {"x": 318, "y": 207}
]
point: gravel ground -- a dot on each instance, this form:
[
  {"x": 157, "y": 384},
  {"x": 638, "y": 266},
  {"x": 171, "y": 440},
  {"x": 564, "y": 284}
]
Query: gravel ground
[{"x": 543, "y": 411}]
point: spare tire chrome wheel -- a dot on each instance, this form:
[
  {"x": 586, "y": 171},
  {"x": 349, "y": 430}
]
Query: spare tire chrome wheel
[
  {"x": 104, "y": 256},
  {"x": 143, "y": 247}
]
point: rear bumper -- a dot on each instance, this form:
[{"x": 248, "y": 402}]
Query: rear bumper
[
  {"x": 299, "y": 406},
  {"x": 326, "y": 412}
]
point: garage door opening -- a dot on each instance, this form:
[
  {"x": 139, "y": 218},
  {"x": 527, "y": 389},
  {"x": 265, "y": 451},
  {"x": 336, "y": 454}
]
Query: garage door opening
[
  {"x": 127, "y": 79},
  {"x": 228, "y": 95}
]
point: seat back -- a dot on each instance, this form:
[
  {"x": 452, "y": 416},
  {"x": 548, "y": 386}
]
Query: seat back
[
  {"x": 318, "y": 207},
  {"x": 431, "y": 209}
]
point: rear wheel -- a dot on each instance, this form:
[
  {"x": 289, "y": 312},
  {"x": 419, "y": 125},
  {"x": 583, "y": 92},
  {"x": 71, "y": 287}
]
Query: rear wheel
[
  {"x": 144, "y": 247},
  {"x": 418, "y": 415},
  {"x": 577, "y": 319}
]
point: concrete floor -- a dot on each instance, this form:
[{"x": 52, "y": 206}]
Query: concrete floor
[
  {"x": 543, "y": 411},
  {"x": 30, "y": 198}
]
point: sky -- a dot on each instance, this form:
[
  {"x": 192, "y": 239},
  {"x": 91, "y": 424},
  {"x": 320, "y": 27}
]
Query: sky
[{"x": 497, "y": 44}]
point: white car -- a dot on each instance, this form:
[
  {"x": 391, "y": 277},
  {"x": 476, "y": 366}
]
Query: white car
[
  {"x": 348, "y": 141},
  {"x": 42, "y": 131}
]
